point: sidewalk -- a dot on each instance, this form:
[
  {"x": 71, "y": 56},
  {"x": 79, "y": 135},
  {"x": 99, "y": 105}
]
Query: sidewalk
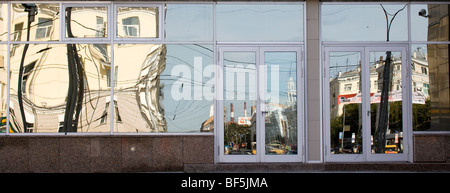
[{"x": 314, "y": 168}]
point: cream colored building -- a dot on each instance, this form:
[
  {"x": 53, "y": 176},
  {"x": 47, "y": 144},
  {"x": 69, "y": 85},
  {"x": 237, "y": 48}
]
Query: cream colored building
[{"x": 45, "y": 82}]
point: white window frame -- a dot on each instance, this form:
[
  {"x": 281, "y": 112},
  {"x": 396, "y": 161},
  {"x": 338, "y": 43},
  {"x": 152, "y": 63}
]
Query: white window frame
[
  {"x": 367, "y": 155},
  {"x": 261, "y": 156}
]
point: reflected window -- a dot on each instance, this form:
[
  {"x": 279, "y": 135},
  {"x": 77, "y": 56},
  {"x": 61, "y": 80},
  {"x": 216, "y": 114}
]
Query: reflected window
[
  {"x": 44, "y": 28},
  {"x": 131, "y": 26},
  {"x": 100, "y": 27}
]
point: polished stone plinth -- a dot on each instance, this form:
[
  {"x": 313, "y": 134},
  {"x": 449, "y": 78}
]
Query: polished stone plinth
[{"x": 103, "y": 154}]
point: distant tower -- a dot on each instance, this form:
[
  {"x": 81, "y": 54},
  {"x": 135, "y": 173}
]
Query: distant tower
[
  {"x": 291, "y": 92},
  {"x": 231, "y": 112},
  {"x": 245, "y": 109}
]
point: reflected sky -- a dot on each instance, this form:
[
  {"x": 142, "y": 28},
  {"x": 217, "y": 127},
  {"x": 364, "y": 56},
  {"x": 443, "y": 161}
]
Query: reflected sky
[
  {"x": 363, "y": 23},
  {"x": 259, "y": 22},
  {"x": 189, "y": 22}
]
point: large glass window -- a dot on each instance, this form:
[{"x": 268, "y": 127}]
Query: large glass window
[
  {"x": 430, "y": 77},
  {"x": 365, "y": 22},
  {"x": 164, "y": 88},
  {"x": 189, "y": 22},
  {"x": 50, "y": 93},
  {"x": 418, "y": 91},
  {"x": 107, "y": 67},
  {"x": 260, "y": 22},
  {"x": 429, "y": 66}
]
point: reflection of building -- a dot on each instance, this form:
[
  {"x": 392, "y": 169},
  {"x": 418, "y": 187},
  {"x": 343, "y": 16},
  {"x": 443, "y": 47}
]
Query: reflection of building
[
  {"x": 208, "y": 125},
  {"x": 46, "y": 76},
  {"x": 291, "y": 92},
  {"x": 345, "y": 87},
  {"x": 280, "y": 125},
  {"x": 420, "y": 74},
  {"x": 438, "y": 61}
]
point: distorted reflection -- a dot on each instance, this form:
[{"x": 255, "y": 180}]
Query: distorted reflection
[
  {"x": 164, "y": 88},
  {"x": 34, "y": 22},
  {"x": 3, "y": 22},
  {"x": 3, "y": 87},
  {"x": 280, "y": 103},
  {"x": 345, "y": 102},
  {"x": 137, "y": 22},
  {"x": 429, "y": 65},
  {"x": 239, "y": 70},
  {"x": 386, "y": 103},
  {"x": 86, "y": 22},
  {"x": 50, "y": 93},
  {"x": 156, "y": 88}
]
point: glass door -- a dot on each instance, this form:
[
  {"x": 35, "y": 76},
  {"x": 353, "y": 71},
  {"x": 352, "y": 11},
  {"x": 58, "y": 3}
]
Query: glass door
[
  {"x": 389, "y": 99},
  {"x": 260, "y": 121},
  {"x": 367, "y": 101},
  {"x": 239, "y": 91},
  {"x": 343, "y": 77}
]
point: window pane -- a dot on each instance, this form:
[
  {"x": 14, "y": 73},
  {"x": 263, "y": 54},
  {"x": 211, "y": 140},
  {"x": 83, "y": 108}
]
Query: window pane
[
  {"x": 239, "y": 72},
  {"x": 430, "y": 77},
  {"x": 281, "y": 103},
  {"x": 386, "y": 103},
  {"x": 266, "y": 23},
  {"x": 189, "y": 22},
  {"x": 164, "y": 88},
  {"x": 50, "y": 90},
  {"x": 345, "y": 102},
  {"x": 3, "y": 88},
  {"x": 137, "y": 22},
  {"x": 3, "y": 24},
  {"x": 44, "y": 20},
  {"x": 87, "y": 22},
  {"x": 430, "y": 22},
  {"x": 363, "y": 23}
]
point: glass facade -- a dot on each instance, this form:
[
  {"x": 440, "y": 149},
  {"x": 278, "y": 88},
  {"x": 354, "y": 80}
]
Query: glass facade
[
  {"x": 154, "y": 68},
  {"x": 430, "y": 66},
  {"x": 105, "y": 68},
  {"x": 387, "y": 76},
  {"x": 124, "y": 68}
]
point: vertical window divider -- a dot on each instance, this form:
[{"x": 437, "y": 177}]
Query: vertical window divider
[
  {"x": 8, "y": 75},
  {"x": 111, "y": 26}
]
